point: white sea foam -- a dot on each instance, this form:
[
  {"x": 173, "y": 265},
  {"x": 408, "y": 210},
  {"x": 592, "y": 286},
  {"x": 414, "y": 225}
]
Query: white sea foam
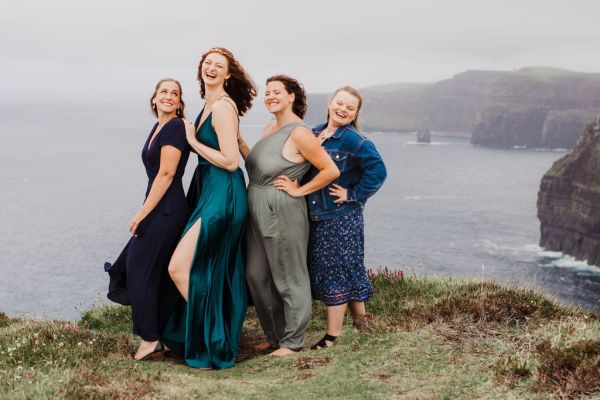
[
  {"x": 557, "y": 150},
  {"x": 533, "y": 252}
]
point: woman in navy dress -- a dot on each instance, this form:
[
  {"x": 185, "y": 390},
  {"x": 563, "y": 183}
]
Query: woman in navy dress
[{"x": 139, "y": 277}]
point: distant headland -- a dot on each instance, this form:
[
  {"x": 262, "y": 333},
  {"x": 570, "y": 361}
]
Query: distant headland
[{"x": 534, "y": 107}]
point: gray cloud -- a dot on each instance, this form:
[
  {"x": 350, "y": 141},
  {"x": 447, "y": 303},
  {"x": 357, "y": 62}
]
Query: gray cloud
[{"x": 63, "y": 50}]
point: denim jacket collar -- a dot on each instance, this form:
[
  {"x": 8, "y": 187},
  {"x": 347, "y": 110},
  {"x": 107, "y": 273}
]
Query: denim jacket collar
[{"x": 336, "y": 135}]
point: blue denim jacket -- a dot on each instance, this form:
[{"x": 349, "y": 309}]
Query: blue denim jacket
[{"x": 362, "y": 172}]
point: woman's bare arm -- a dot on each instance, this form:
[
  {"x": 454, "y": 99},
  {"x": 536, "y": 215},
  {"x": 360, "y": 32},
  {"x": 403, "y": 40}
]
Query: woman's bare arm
[
  {"x": 226, "y": 124},
  {"x": 310, "y": 148}
]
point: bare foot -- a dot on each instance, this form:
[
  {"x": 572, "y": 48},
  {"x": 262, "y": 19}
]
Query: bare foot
[
  {"x": 283, "y": 351},
  {"x": 263, "y": 346}
]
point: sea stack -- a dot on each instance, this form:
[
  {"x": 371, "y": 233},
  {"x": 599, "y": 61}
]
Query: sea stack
[
  {"x": 424, "y": 135},
  {"x": 569, "y": 200}
]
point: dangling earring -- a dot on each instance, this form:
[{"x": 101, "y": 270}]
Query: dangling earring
[{"x": 226, "y": 82}]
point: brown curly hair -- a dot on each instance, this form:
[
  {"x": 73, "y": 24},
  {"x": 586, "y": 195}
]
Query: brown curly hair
[
  {"x": 179, "y": 111},
  {"x": 293, "y": 86},
  {"x": 239, "y": 86}
]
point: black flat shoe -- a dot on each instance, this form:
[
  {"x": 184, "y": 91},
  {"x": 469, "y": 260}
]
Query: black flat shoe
[
  {"x": 157, "y": 355},
  {"x": 322, "y": 344}
]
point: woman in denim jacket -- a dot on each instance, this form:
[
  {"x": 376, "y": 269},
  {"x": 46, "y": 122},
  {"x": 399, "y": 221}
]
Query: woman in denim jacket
[{"x": 336, "y": 242}]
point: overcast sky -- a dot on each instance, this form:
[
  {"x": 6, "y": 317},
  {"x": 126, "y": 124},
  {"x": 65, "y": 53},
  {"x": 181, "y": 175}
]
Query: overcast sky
[{"x": 60, "y": 50}]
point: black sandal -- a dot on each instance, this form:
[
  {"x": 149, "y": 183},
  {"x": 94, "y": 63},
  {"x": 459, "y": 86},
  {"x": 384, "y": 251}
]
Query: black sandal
[
  {"x": 322, "y": 344},
  {"x": 157, "y": 355}
]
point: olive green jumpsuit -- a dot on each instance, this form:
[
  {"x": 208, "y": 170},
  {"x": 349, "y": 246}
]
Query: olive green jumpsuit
[{"x": 277, "y": 234}]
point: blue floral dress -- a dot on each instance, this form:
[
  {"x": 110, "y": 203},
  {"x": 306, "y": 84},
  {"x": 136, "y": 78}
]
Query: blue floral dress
[{"x": 336, "y": 260}]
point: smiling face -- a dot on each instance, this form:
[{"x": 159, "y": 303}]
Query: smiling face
[
  {"x": 277, "y": 99},
  {"x": 167, "y": 98},
  {"x": 343, "y": 109},
  {"x": 215, "y": 69}
]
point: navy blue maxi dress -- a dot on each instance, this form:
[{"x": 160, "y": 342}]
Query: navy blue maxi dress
[{"x": 139, "y": 277}]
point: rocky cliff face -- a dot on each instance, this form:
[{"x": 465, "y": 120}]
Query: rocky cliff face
[
  {"x": 505, "y": 127},
  {"x": 569, "y": 200},
  {"x": 562, "y": 128},
  {"x": 538, "y": 107}
]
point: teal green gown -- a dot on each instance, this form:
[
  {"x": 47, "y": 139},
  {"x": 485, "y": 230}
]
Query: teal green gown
[{"x": 206, "y": 330}]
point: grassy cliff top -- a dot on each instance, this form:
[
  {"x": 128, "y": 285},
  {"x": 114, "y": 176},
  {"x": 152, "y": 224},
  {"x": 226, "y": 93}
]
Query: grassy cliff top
[{"x": 430, "y": 338}]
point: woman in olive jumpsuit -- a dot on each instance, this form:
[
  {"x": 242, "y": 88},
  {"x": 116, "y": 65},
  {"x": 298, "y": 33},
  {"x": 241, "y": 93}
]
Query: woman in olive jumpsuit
[{"x": 277, "y": 235}]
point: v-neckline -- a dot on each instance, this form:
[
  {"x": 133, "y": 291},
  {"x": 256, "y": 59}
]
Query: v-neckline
[
  {"x": 200, "y": 124},
  {"x": 152, "y": 140}
]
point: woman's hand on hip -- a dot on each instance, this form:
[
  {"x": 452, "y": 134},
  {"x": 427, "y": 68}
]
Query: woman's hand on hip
[
  {"x": 337, "y": 191},
  {"x": 287, "y": 185}
]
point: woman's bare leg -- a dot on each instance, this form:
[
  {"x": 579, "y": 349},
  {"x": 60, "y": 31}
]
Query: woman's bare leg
[
  {"x": 335, "y": 326},
  {"x": 358, "y": 310},
  {"x": 335, "y": 319},
  {"x": 181, "y": 261}
]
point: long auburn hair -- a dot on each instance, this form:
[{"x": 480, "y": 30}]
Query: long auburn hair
[
  {"x": 179, "y": 111},
  {"x": 239, "y": 86},
  {"x": 354, "y": 92},
  {"x": 292, "y": 86}
]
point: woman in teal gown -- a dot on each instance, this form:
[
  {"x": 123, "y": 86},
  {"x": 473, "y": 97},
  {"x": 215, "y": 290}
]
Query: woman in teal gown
[{"x": 207, "y": 266}]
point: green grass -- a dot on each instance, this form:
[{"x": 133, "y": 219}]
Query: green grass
[{"x": 430, "y": 338}]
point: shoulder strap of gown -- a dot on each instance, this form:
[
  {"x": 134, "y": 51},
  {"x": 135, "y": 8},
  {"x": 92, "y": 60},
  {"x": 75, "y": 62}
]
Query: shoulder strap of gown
[{"x": 234, "y": 108}]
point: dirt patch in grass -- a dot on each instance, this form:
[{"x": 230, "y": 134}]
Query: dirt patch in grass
[
  {"x": 384, "y": 378},
  {"x": 311, "y": 362},
  {"x": 570, "y": 371},
  {"x": 305, "y": 376}
]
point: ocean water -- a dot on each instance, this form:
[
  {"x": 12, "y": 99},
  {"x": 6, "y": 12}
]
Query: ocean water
[{"x": 72, "y": 178}]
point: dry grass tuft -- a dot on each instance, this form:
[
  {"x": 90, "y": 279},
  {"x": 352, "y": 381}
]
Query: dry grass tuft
[
  {"x": 511, "y": 370},
  {"x": 5, "y": 320},
  {"x": 491, "y": 302},
  {"x": 570, "y": 371},
  {"x": 92, "y": 382}
]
